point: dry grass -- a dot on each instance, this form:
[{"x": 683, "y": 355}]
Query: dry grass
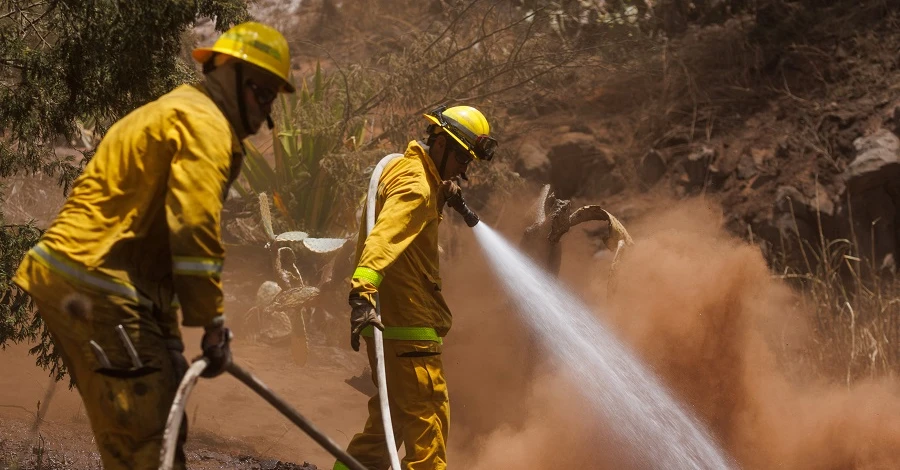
[{"x": 855, "y": 307}]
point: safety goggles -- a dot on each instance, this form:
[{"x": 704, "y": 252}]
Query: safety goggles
[
  {"x": 483, "y": 146},
  {"x": 264, "y": 96}
]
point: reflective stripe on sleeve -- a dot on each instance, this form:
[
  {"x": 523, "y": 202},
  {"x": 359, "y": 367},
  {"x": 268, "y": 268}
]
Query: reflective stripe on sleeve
[
  {"x": 368, "y": 274},
  {"x": 195, "y": 266}
]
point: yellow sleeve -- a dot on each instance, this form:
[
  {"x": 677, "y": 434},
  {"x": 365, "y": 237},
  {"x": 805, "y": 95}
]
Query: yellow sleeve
[
  {"x": 197, "y": 181},
  {"x": 403, "y": 216}
]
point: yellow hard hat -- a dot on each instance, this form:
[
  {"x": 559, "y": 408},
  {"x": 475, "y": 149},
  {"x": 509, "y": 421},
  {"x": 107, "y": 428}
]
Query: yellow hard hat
[
  {"x": 254, "y": 43},
  {"x": 468, "y": 127}
]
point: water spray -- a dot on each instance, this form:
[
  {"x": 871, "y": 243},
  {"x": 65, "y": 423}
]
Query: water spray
[{"x": 609, "y": 375}]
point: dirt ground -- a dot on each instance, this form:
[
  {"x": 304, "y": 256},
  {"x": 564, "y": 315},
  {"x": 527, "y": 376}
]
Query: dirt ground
[{"x": 698, "y": 305}]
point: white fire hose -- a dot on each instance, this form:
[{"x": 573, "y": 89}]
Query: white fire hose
[
  {"x": 176, "y": 413},
  {"x": 379, "y": 339}
]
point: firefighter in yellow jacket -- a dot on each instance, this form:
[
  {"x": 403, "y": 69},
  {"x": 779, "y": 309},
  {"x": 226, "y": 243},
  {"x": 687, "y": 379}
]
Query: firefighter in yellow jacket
[
  {"x": 140, "y": 235},
  {"x": 398, "y": 260}
]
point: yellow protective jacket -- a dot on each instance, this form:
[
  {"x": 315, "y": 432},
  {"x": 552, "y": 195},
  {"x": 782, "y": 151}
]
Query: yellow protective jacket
[
  {"x": 399, "y": 259},
  {"x": 143, "y": 220}
]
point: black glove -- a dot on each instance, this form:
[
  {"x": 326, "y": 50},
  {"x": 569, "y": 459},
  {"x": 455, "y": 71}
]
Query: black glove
[
  {"x": 176, "y": 355},
  {"x": 449, "y": 190},
  {"x": 362, "y": 315},
  {"x": 216, "y": 349}
]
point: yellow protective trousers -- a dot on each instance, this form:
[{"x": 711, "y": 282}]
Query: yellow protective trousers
[
  {"x": 420, "y": 408},
  {"x": 127, "y": 406}
]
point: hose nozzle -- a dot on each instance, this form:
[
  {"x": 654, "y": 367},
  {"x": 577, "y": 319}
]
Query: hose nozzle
[{"x": 458, "y": 204}]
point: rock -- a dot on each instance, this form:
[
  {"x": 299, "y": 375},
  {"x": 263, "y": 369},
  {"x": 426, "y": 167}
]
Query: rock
[
  {"x": 792, "y": 229},
  {"x": 532, "y": 161},
  {"x": 822, "y": 201},
  {"x": 274, "y": 327},
  {"x": 760, "y": 156},
  {"x": 790, "y": 200},
  {"x": 717, "y": 177},
  {"x": 575, "y": 159},
  {"x": 877, "y": 162},
  {"x": 696, "y": 167},
  {"x": 746, "y": 167},
  {"x": 266, "y": 293},
  {"x": 783, "y": 150},
  {"x": 874, "y": 213},
  {"x": 762, "y": 179},
  {"x": 652, "y": 168}
]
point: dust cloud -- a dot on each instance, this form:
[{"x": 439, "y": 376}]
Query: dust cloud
[{"x": 702, "y": 309}]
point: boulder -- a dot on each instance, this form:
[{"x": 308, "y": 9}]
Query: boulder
[
  {"x": 575, "y": 160},
  {"x": 652, "y": 168},
  {"x": 266, "y": 293},
  {"x": 532, "y": 161},
  {"x": 877, "y": 162},
  {"x": 792, "y": 202}
]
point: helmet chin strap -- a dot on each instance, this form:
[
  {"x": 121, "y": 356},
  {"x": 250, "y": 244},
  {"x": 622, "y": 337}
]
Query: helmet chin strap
[
  {"x": 443, "y": 163},
  {"x": 443, "y": 166},
  {"x": 239, "y": 92}
]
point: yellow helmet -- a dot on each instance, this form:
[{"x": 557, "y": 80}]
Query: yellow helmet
[
  {"x": 256, "y": 44},
  {"x": 468, "y": 127}
]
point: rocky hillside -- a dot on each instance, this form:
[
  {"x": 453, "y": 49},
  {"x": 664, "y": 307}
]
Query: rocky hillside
[{"x": 789, "y": 120}]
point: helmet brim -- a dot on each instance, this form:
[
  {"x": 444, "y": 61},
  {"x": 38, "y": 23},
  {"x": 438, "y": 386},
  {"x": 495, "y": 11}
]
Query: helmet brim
[
  {"x": 203, "y": 54},
  {"x": 458, "y": 140}
]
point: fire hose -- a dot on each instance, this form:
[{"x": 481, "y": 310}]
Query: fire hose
[
  {"x": 380, "y": 373},
  {"x": 457, "y": 203},
  {"x": 176, "y": 414}
]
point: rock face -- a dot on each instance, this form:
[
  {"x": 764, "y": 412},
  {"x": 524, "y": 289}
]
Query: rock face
[
  {"x": 580, "y": 165},
  {"x": 859, "y": 205},
  {"x": 863, "y": 208},
  {"x": 872, "y": 183}
]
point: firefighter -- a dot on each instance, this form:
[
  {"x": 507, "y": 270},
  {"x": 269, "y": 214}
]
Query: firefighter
[
  {"x": 398, "y": 261},
  {"x": 139, "y": 237}
]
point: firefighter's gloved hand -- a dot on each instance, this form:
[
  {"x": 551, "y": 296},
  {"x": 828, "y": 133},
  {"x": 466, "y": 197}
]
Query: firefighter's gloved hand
[
  {"x": 176, "y": 355},
  {"x": 362, "y": 315},
  {"x": 216, "y": 348},
  {"x": 449, "y": 190}
]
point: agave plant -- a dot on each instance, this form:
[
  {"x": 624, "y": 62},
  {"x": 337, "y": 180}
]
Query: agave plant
[{"x": 306, "y": 190}]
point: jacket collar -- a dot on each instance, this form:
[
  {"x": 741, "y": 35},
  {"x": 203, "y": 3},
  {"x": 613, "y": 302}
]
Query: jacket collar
[
  {"x": 420, "y": 150},
  {"x": 237, "y": 146}
]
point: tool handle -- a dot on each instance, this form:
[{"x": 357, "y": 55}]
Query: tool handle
[
  {"x": 260, "y": 388},
  {"x": 176, "y": 413}
]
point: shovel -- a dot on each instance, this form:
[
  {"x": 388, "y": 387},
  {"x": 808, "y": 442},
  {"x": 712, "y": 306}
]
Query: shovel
[{"x": 176, "y": 414}]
